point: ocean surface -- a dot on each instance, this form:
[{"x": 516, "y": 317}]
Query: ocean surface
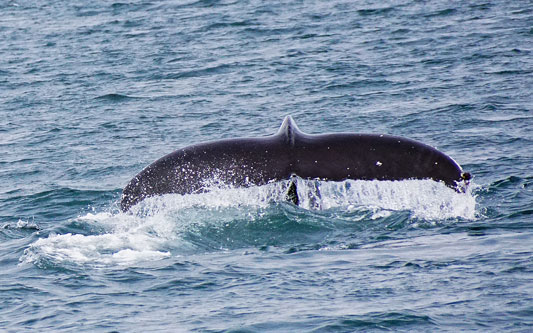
[{"x": 93, "y": 91}]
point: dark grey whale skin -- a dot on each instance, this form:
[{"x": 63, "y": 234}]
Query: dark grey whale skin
[{"x": 258, "y": 161}]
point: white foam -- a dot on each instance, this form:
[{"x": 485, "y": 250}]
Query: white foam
[
  {"x": 215, "y": 198},
  {"x": 426, "y": 199},
  {"x": 107, "y": 249},
  {"x": 158, "y": 224}
]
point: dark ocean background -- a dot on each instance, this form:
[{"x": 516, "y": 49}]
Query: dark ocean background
[{"x": 93, "y": 91}]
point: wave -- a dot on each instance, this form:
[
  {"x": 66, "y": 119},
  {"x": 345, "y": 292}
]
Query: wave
[
  {"x": 116, "y": 97},
  {"x": 197, "y": 72},
  {"x": 331, "y": 214}
]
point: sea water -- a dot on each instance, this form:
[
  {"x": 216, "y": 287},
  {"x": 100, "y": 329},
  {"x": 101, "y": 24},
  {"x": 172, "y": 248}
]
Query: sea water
[{"x": 92, "y": 92}]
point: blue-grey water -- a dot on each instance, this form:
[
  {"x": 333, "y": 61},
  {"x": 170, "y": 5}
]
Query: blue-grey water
[{"x": 93, "y": 91}]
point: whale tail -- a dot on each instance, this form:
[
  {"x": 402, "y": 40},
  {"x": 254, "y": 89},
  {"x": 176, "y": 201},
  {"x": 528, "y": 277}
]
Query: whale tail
[{"x": 290, "y": 152}]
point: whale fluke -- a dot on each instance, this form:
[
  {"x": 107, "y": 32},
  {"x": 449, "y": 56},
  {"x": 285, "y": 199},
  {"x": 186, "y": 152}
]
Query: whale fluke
[{"x": 290, "y": 152}]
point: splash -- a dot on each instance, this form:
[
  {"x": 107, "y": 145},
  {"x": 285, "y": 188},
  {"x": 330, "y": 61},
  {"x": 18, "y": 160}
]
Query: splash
[
  {"x": 426, "y": 199},
  {"x": 179, "y": 225},
  {"x": 107, "y": 249}
]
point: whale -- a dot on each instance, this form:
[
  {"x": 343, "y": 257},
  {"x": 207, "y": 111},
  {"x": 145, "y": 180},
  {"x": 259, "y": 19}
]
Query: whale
[{"x": 289, "y": 153}]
